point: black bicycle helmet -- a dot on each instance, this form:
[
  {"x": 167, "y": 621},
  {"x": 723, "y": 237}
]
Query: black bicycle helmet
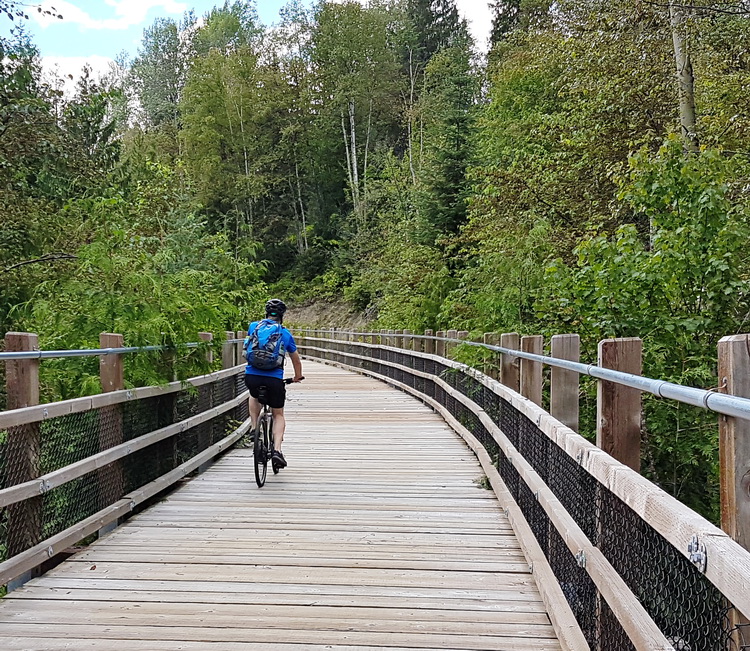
[{"x": 275, "y": 307}]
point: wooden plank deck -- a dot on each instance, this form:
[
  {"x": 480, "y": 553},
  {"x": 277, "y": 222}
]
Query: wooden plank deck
[{"x": 378, "y": 535}]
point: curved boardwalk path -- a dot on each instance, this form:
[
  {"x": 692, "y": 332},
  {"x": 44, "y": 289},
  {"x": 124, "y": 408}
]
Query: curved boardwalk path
[{"x": 377, "y": 535}]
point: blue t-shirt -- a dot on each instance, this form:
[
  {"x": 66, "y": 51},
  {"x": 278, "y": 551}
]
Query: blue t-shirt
[{"x": 288, "y": 346}]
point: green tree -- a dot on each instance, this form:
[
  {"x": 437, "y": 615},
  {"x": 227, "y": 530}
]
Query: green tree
[
  {"x": 159, "y": 72},
  {"x": 680, "y": 286},
  {"x": 358, "y": 81},
  {"x": 448, "y": 104}
]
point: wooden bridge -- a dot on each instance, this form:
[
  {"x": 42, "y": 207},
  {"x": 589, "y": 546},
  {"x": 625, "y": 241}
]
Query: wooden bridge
[{"x": 426, "y": 506}]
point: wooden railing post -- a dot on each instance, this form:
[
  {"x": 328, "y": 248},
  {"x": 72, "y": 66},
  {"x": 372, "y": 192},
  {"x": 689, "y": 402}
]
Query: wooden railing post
[
  {"x": 207, "y": 336},
  {"x": 239, "y": 353},
  {"x": 564, "y": 384},
  {"x": 408, "y": 340},
  {"x": 205, "y": 402},
  {"x": 227, "y": 351},
  {"x": 429, "y": 344},
  {"x": 111, "y": 369},
  {"x": 440, "y": 345},
  {"x": 22, "y": 448},
  {"x": 734, "y": 440},
  {"x": 618, "y": 408},
  {"x": 112, "y": 378},
  {"x": 451, "y": 334},
  {"x": 510, "y": 366},
  {"x": 531, "y": 372},
  {"x": 491, "y": 365}
]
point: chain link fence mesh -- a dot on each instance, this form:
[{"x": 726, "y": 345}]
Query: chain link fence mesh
[
  {"x": 690, "y": 611},
  {"x": 29, "y": 451}
]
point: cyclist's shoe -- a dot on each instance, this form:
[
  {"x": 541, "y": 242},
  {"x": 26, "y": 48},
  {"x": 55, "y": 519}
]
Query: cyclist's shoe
[{"x": 278, "y": 459}]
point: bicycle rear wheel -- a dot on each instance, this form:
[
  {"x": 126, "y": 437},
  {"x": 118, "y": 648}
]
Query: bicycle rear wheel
[{"x": 260, "y": 451}]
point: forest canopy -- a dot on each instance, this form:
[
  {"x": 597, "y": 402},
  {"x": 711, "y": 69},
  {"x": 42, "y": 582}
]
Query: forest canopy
[{"x": 590, "y": 173}]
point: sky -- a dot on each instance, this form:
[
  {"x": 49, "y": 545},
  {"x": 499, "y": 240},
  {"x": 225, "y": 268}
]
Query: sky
[{"x": 96, "y": 31}]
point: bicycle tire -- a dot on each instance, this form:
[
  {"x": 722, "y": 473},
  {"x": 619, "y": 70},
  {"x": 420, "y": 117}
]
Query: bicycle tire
[{"x": 260, "y": 452}]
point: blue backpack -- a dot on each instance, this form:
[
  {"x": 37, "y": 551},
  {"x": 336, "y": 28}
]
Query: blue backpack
[{"x": 264, "y": 346}]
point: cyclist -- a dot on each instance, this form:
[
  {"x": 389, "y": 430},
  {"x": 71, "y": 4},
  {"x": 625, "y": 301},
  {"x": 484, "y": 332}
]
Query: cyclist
[{"x": 273, "y": 379}]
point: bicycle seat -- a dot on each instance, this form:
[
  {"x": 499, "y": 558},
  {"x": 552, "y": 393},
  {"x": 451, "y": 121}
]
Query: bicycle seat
[{"x": 262, "y": 394}]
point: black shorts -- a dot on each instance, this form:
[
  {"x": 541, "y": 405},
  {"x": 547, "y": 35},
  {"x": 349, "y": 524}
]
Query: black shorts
[{"x": 275, "y": 389}]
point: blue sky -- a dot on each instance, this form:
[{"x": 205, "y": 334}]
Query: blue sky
[
  {"x": 95, "y": 31},
  {"x": 103, "y": 28}
]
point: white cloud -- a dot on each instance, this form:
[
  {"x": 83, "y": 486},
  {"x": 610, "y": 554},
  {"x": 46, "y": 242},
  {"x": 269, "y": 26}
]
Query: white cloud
[
  {"x": 479, "y": 17},
  {"x": 57, "y": 71},
  {"x": 127, "y": 12}
]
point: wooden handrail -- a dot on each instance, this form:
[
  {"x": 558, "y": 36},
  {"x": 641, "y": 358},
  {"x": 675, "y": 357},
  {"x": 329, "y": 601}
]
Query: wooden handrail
[
  {"x": 38, "y": 413},
  {"x": 35, "y": 556},
  {"x": 56, "y": 478}
]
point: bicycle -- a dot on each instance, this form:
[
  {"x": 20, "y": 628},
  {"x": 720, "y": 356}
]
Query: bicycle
[{"x": 263, "y": 439}]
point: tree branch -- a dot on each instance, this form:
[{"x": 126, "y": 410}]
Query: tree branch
[
  {"x": 50, "y": 257},
  {"x": 736, "y": 10}
]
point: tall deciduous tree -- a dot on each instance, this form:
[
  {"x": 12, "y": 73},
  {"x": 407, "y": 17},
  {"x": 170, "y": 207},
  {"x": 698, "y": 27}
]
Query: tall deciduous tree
[
  {"x": 160, "y": 70},
  {"x": 359, "y": 82}
]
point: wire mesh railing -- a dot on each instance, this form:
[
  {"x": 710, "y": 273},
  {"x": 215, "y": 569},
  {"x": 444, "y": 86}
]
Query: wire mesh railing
[
  {"x": 67, "y": 468},
  {"x": 636, "y": 568}
]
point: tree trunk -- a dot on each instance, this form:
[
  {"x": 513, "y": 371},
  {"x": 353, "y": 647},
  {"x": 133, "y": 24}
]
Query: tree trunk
[
  {"x": 410, "y": 125},
  {"x": 296, "y": 217},
  {"x": 355, "y": 163},
  {"x": 301, "y": 207},
  {"x": 685, "y": 79},
  {"x": 364, "y": 169},
  {"x": 348, "y": 161}
]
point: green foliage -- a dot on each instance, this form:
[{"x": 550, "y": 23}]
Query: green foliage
[
  {"x": 680, "y": 286},
  {"x": 448, "y": 99},
  {"x": 158, "y": 73},
  {"x": 362, "y": 153},
  {"x": 149, "y": 272}
]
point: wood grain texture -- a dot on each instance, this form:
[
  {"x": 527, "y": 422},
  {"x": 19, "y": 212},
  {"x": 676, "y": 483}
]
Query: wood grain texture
[
  {"x": 618, "y": 408},
  {"x": 510, "y": 373},
  {"x": 531, "y": 372},
  {"x": 23, "y": 444},
  {"x": 638, "y": 625},
  {"x": 729, "y": 568},
  {"x": 734, "y": 440},
  {"x": 564, "y": 385},
  {"x": 378, "y": 534}
]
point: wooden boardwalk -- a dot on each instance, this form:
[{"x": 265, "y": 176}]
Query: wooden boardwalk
[{"x": 377, "y": 535}]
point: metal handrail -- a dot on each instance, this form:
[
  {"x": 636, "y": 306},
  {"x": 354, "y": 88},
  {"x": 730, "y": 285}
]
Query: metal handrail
[
  {"x": 720, "y": 403},
  {"x": 92, "y": 352}
]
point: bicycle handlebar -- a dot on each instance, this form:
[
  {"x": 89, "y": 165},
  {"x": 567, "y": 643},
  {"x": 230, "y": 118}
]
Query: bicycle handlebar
[{"x": 289, "y": 380}]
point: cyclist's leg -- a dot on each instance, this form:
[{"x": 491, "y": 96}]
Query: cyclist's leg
[
  {"x": 255, "y": 408},
  {"x": 252, "y": 383},
  {"x": 279, "y": 425}
]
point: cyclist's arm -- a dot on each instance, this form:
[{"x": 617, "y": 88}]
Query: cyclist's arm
[{"x": 297, "y": 364}]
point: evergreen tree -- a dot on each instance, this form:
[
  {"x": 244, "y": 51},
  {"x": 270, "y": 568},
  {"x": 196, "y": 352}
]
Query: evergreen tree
[
  {"x": 449, "y": 108},
  {"x": 505, "y": 19},
  {"x": 437, "y": 24}
]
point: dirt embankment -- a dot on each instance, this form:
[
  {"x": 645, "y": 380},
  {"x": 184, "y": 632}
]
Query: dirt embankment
[{"x": 325, "y": 314}]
